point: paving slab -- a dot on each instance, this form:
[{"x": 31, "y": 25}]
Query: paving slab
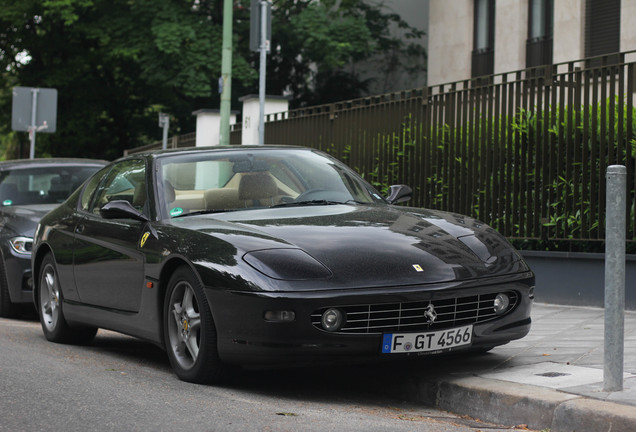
[{"x": 550, "y": 380}]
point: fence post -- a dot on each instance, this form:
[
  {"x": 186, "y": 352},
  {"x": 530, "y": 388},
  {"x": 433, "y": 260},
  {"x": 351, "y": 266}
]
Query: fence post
[{"x": 614, "y": 278}]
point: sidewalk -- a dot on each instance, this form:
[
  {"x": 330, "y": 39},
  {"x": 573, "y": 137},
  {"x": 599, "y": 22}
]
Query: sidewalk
[{"x": 551, "y": 379}]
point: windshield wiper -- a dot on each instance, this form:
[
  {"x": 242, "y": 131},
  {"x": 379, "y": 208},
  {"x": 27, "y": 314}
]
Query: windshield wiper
[
  {"x": 200, "y": 212},
  {"x": 307, "y": 203}
]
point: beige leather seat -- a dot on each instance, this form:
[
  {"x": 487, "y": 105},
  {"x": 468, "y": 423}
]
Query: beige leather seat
[{"x": 257, "y": 189}]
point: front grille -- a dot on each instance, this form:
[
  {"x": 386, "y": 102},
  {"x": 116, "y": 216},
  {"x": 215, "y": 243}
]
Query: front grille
[{"x": 411, "y": 316}]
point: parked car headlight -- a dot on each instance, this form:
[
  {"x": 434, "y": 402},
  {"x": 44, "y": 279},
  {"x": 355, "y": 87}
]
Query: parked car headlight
[
  {"x": 22, "y": 245},
  {"x": 287, "y": 264}
]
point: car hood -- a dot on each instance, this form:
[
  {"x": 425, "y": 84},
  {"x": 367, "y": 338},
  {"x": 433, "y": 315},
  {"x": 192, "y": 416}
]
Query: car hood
[
  {"x": 371, "y": 245},
  {"x": 23, "y": 219}
]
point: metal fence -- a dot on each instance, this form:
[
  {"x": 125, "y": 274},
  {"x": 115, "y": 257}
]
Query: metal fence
[
  {"x": 524, "y": 151},
  {"x": 177, "y": 141}
]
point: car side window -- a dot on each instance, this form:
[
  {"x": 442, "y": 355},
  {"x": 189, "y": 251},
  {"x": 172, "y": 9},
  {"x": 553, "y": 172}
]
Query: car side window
[
  {"x": 125, "y": 181},
  {"x": 90, "y": 188}
]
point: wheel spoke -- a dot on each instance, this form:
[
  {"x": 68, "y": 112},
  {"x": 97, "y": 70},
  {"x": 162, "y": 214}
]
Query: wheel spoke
[
  {"x": 179, "y": 347},
  {"x": 193, "y": 347},
  {"x": 46, "y": 308},
  {"x": 176, "y": 313},
  {"x": 50, "y": 281},
  {"x": 194, "y": 323},
  {"x": 188, "y": 300}
]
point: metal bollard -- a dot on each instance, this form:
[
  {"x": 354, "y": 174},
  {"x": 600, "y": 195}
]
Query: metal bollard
[{"x": 614, "y": 279}]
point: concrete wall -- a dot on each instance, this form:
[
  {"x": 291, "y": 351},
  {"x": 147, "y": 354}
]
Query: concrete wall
[
  {"x": 569, "y": 30},
  {"x": 511, "y": 32},
  {"x": 450, "y": 40},
  {"x": 576, "y": 279},
  {"x": 628, "y": 29}
]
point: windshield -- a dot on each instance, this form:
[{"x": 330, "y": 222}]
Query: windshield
[
  {"x": 254, "y": 178},
  {"x": 42, "y": 185}
]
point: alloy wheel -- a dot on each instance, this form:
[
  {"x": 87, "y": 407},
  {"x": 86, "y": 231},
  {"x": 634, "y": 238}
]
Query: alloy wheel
[
  {"x": 184, "y": 325},
  {"x": 49, "y": 298}
]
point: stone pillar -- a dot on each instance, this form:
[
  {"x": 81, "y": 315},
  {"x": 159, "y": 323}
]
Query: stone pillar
[
  {"x": 273, "y": 105},
  {"x": 209, "y": 126}
]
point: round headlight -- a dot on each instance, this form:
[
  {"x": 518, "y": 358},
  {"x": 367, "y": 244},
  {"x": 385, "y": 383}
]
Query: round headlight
[
  {"x": 501, "y": 303},
  {"x": 332, "y": 320}
]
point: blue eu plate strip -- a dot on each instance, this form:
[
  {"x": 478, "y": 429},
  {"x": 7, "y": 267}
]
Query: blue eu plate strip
[{"x": 386, "y": 343}]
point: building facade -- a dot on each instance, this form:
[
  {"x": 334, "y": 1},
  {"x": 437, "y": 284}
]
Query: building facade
[{"x": 472, "y": 38}]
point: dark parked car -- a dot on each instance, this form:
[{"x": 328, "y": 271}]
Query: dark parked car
[
  {"x": 270, "y": 255},
  {"x": 29, "y": 189}
]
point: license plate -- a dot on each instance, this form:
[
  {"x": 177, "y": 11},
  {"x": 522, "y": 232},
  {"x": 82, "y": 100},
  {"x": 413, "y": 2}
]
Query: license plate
[{"x": 441, "y": 340}]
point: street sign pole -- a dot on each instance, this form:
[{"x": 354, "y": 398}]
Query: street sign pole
[
  {"x": 33, "y": 128},
  {"x": 226, "y": 73},
  {"x": 164, "y": 122},
  {"x": 261, "y": 82},
  {"x": 34, "y": 110},
  {"x": 260, "y": 34}
]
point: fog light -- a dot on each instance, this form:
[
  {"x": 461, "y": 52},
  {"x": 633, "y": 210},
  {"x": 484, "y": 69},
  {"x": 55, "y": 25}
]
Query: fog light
[
  {"x": 501, "y": 303},
  {"x": 531, "y": 293},
  {"x": 332, "y": 320},
  {"x": 280, "y": 316}
]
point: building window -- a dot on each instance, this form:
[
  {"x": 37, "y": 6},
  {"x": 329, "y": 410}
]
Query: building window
[
  {"x": 602, "y": 28},
  {"x": 483, "y": 38},
  {"x": 540, "y": 32}
]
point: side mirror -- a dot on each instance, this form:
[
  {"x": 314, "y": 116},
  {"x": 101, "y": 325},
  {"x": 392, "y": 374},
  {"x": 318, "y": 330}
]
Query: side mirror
[
  {"x": 121, "y": 209},
  {"x": 399, "y": 193}
]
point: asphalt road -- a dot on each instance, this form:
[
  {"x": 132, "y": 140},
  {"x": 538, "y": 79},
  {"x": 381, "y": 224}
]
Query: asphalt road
[{"x": 121, "y": 384}]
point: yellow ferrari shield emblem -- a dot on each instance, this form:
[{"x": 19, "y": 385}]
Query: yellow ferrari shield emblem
[{"x": 144, "y": 238}]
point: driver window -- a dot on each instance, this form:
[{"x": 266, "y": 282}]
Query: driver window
[
  {"x": 126, "y": 181},
  {"x": 89, "y": 190}
]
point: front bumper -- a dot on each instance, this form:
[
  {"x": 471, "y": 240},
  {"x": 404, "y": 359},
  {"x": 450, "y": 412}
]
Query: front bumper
[
  {"x": 17, "y": 268},
  {"x": 246, "y": 338}
]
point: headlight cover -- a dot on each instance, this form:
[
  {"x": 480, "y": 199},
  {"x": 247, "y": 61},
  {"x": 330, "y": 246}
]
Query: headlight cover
[
  {"x": 21, "y": 245},
  {"x": 287, "y": 264}
]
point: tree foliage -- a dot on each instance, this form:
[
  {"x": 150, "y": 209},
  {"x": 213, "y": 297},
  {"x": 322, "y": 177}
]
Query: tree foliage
[{"x": 117, "y": 63}]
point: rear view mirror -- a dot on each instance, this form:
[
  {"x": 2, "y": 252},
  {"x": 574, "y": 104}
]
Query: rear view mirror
[
  {"x": 399, "y": 193},
  {"x": 121, "y": 209}
]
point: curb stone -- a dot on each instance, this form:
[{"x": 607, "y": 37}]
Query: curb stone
[
  {"x": 583, "y": 414},
  {"x": 508, "y": 403}
]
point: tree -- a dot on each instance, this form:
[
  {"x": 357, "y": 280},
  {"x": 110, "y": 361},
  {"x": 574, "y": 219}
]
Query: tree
[
  {"x": 321, "y": 45},
  {"x": 118, "y": 63}
]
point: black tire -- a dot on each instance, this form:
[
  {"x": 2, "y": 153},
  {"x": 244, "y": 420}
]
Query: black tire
[
  {"x": 189, "y": 331},
  {"x": 8, "y": 309},
  {"x": 51, "y": 308}
]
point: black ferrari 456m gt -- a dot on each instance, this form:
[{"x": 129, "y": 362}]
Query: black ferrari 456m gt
[{"x": 270, "y": 255}]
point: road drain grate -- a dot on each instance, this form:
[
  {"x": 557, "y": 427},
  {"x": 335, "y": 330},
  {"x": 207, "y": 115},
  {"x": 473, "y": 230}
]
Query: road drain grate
[{"x": 552, "y": 374}]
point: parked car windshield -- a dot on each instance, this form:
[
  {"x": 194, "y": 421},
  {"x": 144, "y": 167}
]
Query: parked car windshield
[
  {"x": 225, "y": 181},
  {"x": 41, "y": 185}
]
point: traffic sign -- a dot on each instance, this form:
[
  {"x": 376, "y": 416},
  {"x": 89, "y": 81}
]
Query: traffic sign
[{"x": 34, "y": 108}]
